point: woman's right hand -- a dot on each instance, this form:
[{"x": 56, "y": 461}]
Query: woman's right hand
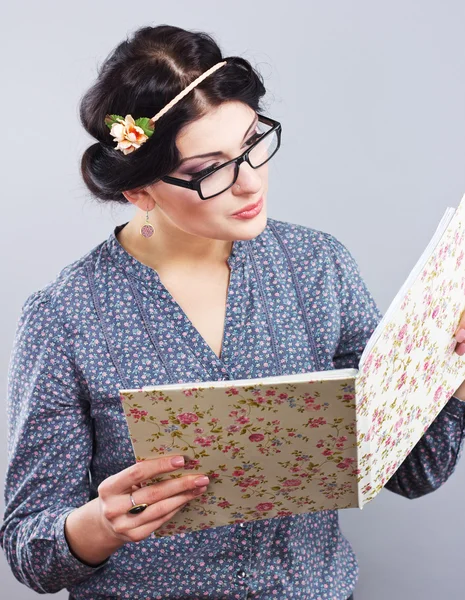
[
  {"x": 107, "y": 515},
  {"x": 164, "y": 498}
]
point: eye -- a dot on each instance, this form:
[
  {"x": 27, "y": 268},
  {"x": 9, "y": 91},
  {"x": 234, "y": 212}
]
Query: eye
[{"x": 205, "y": 171}]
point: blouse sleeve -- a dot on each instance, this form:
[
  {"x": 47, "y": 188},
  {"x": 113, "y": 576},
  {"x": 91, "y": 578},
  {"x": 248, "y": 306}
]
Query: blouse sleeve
[
  {"x": 49, "y": 451},
  {"x": 434, "y": 458}
]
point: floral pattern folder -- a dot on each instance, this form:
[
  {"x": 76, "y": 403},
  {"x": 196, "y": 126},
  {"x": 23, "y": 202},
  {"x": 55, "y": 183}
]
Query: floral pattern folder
[{"x": 284, "y": 445}]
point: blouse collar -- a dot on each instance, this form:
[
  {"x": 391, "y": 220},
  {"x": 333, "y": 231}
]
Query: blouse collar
[{"x": 142, "y": 271}]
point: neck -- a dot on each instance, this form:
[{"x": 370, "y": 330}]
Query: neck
[{"x": 171, "y": 247}]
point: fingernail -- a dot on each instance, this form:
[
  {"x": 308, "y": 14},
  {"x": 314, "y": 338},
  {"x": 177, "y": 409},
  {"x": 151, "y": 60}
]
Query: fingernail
[
  {"x": 460, "y": 337},
  {"x": 177, "y": 461},
  {"x": 201, "y": 481}
]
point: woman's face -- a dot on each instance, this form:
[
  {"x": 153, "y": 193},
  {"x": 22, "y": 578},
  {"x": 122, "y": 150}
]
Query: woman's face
[{"x": 229, "y": 130}]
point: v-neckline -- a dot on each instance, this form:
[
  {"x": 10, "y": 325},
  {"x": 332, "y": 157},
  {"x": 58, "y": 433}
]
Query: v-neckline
[
  {"x": 208, "y": 351},
  {"x": 150, "y": 277}
]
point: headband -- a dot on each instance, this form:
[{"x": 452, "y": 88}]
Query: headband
[{"x": 131, "y": 134}]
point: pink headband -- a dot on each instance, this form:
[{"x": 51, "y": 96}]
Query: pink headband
[{"x": 131, "y": 134}]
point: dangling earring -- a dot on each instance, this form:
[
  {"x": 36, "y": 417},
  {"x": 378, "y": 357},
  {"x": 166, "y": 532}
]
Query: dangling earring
[{"x": 147, "y": 228}]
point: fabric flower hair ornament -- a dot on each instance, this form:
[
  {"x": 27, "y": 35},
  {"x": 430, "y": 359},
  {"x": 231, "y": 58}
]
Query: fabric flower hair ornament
[{"x": 129, "y": 134}]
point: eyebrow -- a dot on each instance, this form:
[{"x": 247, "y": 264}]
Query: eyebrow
[{"x": 218, "y": 153}]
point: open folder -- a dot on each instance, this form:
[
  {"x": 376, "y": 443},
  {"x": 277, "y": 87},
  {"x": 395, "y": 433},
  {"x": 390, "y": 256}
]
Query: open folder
[{"x": 284, "y": 445}]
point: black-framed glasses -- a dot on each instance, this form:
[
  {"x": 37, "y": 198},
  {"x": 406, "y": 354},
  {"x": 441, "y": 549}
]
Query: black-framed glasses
[{"x": 216, "y": 180}]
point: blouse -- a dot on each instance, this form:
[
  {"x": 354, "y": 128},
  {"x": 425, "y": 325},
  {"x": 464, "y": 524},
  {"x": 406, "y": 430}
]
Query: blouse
[{"x": 296, "y": 303}]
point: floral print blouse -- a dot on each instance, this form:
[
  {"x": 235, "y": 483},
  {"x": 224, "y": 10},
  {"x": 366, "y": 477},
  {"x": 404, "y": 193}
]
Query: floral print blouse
[{"x": 296, "y": 303}]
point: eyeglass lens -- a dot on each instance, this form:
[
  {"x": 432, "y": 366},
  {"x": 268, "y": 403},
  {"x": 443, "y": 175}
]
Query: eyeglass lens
[{"x": 221, "y": 180}]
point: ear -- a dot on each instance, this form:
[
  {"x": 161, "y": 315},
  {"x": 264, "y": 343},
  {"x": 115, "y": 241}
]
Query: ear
[{"x": 141, "y": 198}]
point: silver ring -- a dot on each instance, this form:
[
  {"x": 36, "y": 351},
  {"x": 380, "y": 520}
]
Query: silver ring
[{"x": 136, "y": 508}]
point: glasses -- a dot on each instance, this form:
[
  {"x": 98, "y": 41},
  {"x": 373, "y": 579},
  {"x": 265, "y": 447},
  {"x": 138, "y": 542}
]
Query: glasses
[{"x": 216, "y": 180}]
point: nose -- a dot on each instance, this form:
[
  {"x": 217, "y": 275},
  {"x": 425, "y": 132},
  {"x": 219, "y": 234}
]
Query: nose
[{"x": 248, "y": 179}]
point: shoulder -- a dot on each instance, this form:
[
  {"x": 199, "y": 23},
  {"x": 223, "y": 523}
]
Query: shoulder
[
  {"x": 61, "y": 299},
  {"x": 306, "y": 243}
]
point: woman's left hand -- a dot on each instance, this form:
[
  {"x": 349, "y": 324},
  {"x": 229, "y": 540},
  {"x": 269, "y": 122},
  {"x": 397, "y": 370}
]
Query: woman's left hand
[{"x": 460, "y": 349}]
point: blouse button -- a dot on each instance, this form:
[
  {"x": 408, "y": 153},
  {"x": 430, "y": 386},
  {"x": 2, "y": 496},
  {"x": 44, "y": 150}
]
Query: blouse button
[{"x": 241, "y": 575}]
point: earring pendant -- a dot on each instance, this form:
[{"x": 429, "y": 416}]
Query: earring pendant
[{"x": 147, "y": 228}]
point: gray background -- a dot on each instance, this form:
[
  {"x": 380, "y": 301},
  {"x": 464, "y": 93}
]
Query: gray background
[{"x": 371, "y": 96}]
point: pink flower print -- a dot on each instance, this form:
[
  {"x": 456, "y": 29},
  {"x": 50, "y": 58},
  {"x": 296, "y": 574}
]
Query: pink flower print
[
  {"x": 402, "y": 332},
  {"x": 283, "y": 396},
  {"x": 320, "y": 444},
  {"x": 205, "y": 442},
  {"x": 198, "y": 430},
  {"x": 438, "y": 393},
  {"x": 342, "y": 438},
  {"x": 249, "y": 482},
  {"x": 224, "y": 504},
  {"x": 316, "y": 422},
  {"x": 233, "y": 428},
  {"x": 187, "y": 392},
  {"x": 138, "y": 414},
  {"x": 426, "y": 365},
  {"x": 187, "y": 418},
  {"x": 214, "y": 420},
  {"x": 260, "y": 399},
  {"x": 342, "y": 465},
  {"x": 401, "y": 381},
  {"x": 233, "y": 391},
  {"x": 435, "y": 312},
  {"x": 242, "y": 420},
  {"x": 409, "y": 347},
  {"x": 164, "y": 422},
  {"x": 327, "y": 452},
  {"x": 284, "y": 513},
  {"x": 260, "y": 419},
  {"x": 191, "y": 464},
  {"x": 256, "y": 437},
  {"x": 294, "y": 469},
  {"x": 270, "y": 393},
  {"x": 264, "y": 506},
  {"x": 368, "y": 362},
  {"x": 238, "y": 472},
  {"x": 313, "y": 407},
  {"x": 349, "y": 396},
  {"x": 459, "y": 261},
  {"x": 292, "y": 482}
]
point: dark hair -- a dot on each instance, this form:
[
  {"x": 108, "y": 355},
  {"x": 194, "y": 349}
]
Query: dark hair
[{"x": 140, "y": 77}]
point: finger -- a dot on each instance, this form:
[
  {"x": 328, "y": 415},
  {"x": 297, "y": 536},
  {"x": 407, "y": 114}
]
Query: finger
[
  {"x": 460, "y": 334},
  {"x": 127, "y": 523},
  {"x": 460, "y": 349},
  {"x": 140, "y": 533},
  {"x": 156, "y": 492},
  {"x": 122, "y": 482}
]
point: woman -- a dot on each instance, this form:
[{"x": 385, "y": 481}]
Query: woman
[{"x": 198, "y": 285}]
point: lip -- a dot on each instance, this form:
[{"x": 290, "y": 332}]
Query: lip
[{"x": 249, "y": 207}]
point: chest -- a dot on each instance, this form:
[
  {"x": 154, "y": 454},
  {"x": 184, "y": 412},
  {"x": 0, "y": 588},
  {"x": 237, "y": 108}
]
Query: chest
[{"x": 203, "y": 299}]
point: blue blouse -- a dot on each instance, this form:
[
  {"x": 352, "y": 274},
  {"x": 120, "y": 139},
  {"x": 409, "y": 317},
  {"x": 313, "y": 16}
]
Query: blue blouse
[{"x": 296, "y": 303}]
